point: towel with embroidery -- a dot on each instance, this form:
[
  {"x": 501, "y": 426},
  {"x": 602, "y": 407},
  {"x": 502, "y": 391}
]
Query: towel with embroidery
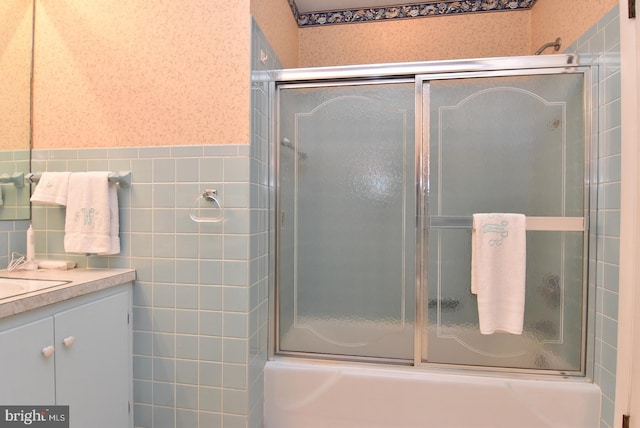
[{"x": 92, "y": 223}]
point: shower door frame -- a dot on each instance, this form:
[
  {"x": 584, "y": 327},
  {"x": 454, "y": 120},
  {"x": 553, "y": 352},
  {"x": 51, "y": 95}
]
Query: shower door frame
[{"x": 421, "y": 73}]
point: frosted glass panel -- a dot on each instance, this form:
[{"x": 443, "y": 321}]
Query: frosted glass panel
[
  {"x": 346, "y": 199},
  {"x": 507, "y": 144}
]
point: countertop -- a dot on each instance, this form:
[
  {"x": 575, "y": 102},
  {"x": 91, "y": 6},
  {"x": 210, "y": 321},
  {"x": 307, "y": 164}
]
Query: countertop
[{"x": 81, "y": 281}]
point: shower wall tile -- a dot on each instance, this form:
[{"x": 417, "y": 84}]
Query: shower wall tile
[{"x": 602, "y": 44}]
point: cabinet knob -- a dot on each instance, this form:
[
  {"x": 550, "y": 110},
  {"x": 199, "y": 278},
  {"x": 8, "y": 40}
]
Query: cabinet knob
[
  {"x": 68, "y": 341},
  {"x": 48, "y": 351}
]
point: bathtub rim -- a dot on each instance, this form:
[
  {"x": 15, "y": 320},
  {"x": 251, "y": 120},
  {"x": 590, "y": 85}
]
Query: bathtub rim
[{"x": 436, "y": 369}]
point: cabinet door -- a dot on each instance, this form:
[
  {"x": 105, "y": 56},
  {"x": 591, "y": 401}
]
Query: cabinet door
[
  {"x": 93, "y": 371},
  {"x": 27, "y": 374}
]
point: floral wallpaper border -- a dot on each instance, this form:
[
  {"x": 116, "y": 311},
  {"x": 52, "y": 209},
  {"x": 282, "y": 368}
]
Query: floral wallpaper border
[{"x": 417, "y": 10}]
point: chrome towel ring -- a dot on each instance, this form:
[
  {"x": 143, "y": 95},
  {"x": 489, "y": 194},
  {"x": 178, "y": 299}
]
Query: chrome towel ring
[{"x": 209, "y": 195}]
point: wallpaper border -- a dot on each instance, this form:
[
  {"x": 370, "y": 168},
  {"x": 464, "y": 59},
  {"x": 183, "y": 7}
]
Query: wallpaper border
[{"x": 416, "y": 10}]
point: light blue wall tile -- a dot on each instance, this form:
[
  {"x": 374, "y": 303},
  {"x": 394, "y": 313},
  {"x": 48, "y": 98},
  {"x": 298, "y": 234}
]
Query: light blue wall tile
[
  {"x": 163, "y": 394},
  {"x": 210, "y": 399},
  {"x": 188, "y": 169},
  {"x": 142, "y": 318},
  {"x": 186, "y": 296},
  {"x": 210, "y": 246},
  {"x": 610, "y": 331},
  {"x": 211, "y": 298},
  {"x": 187, "y": 396},
  {"x": 234, "y": 421},
  {"x": 142, "y": 343},
  {"x": 236, "y": 169},
  {"x": 141, "y": 196},
  {"x": 186, "y": 346},
  {"x": 187, "y": 151},
  {"x": 236, "y": 247},
  {"x": 142, "y": 294},
  {"x": 210, "y": 373},
  {"x": 143, "y": 366},
  {"x": 211, "y": 170},
  {"x": 186, "y": 321},
  {"x": 164, "y": 369},
  {"x": 187, "y": 372},
  {"x": 236, "y": 299},
  {"x": 210, "y": 348},
  {"x": 235, "y": 376},
  {"x": 235, "y": 350},
  {"x": 236, "y": 272},
  {"x": 164, "y": 270},
  {"x": 235, "y": 401},
  {"x": 235, "y": 324},
  {"x": 210, "y": 272},
  {"x": 142, "y": 171},
  {"x": 164, "y": 220},
  {"x": 164, "y": 295},
  {"x": 210, "y": 323},
  {"x": 142, "y": 416},
  {"x": 186, "y": 271},
  {"x": 164, "y": 195},
  {"x": 143, "y": 391},
  {"x": 164, "y": 345},
  {"x": 164, "y": 245},
  {"x": 186, "y": 418},
  {"x": 154, "y": 152},
  {"x": 236, "y": 195}
]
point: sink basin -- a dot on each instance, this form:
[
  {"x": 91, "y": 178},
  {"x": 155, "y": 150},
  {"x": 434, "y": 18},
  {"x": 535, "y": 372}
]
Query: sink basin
[{"x": 10, "y": 287}]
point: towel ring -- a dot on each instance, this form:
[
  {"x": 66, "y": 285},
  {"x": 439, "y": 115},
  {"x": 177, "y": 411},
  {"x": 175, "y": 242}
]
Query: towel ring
[{"x": 209, "y": 195}]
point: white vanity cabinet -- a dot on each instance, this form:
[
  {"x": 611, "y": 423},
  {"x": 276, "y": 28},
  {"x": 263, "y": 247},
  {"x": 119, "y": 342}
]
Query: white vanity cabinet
[{"x": 76, "y": 353}]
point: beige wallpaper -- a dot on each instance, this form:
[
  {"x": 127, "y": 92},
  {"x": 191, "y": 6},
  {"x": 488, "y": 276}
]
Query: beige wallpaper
[
  {"x": 15, "y": 73},
  {"x": 141, "y": 73},
  {"x": 566, "y": 19},
  {"x": 138, "y": 73},
  {"x": 279, "y": 26},
  {"x": 419, "y": 39}
]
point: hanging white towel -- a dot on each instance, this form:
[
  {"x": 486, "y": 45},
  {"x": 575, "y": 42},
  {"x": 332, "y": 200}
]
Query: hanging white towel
[
  {"x": 92, "y": 224},
  {"x": 52, "y": 188},
  {"x": 498, "y": 271}
]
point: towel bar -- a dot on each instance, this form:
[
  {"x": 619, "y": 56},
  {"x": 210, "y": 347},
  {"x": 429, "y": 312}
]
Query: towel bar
[
  {"x": 121, "y": 178},
  {"x": 557, "y": 224}
]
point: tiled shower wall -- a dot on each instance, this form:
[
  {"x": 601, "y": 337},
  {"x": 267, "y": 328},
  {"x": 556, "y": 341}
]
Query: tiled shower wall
[{"x": 601, "y": 45}]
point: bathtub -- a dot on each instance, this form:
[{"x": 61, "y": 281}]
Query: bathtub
[{"x": 317, "y": 395}]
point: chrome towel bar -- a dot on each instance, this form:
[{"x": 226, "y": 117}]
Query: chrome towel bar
[
  {"x": 121, "y": 178},
  {"x": 558, "y": 224}
]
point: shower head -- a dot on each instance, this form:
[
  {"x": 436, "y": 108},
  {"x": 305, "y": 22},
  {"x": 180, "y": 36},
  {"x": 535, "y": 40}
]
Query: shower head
[{"x": 556, "y": 46}]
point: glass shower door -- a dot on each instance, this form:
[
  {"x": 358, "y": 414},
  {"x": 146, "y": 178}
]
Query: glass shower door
[
  {"x": 510, "y": 144},
  {"x": 346, "y": 264}
]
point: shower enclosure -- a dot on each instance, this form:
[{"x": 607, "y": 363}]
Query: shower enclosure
[{"x": 377, "y": 173}]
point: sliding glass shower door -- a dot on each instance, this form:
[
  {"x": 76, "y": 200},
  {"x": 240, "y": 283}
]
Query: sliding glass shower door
[
  {"x": 510, "y": 144},
  {"x": 346, "y": 207},
  {"x": 377, "y": 181}
]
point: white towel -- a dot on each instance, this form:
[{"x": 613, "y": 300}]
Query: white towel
[
  {"x": 498, "y": 271},
  {"x": 52, "y": 188},
  {"x": 92, "y": 224}
]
